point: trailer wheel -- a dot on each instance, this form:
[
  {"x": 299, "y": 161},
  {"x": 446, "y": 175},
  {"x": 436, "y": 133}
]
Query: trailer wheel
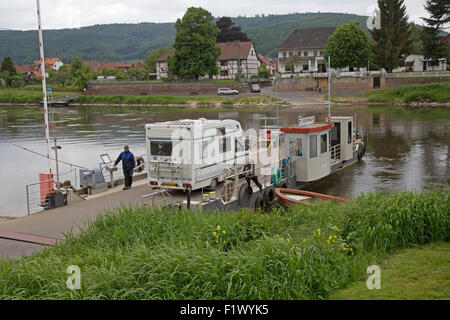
[{"x": 244, "y": 195}]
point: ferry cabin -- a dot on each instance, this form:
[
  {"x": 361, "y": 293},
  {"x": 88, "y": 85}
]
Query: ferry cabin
[{"x": 316, "y": 148}]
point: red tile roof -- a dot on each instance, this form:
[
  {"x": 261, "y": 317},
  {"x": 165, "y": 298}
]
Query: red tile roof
[
  {"x": 25, "y": 68},
  {"x": 117, "y": 65},
  {"x": 94, "y": 64},
  {"x": 229, "y": 51}
]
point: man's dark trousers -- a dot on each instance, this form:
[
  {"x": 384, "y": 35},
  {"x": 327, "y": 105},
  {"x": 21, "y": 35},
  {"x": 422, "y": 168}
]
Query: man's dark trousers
[{"x": 128, "y": 174}]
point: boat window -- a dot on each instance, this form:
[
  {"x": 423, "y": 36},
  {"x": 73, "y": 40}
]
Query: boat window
[
  {"x": 161, "y": 148},
  {"x": 300, "y": 147},
  {"x": 313, "y": 146},
  {"x": 204, "y": 150},
  {"x": 336, "y": 134},
  {"x": 349, "y": 132},
  {"x": 323, "y": 143},
  {"x": 225, "y": 144}
]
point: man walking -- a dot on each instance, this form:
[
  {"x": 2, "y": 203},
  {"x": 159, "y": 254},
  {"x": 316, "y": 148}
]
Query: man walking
[{"x": 128, "y": 165}]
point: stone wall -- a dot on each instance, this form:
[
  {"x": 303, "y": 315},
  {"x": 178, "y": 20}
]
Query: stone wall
[
  {"x": 351, "y": 84},
  {"x": 160, "y": 89}
]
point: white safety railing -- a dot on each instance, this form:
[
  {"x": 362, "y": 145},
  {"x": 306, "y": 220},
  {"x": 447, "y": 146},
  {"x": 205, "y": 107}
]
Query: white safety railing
[{"x": 335, "y": 152}]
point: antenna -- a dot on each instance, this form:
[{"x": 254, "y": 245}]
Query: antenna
[{"x": 44, "y": 85}]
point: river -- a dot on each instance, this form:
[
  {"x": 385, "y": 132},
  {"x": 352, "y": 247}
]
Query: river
[{"x": 406, "y": 149}]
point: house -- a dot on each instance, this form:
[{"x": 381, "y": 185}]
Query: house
[
  {"x": 117, "y": 65},
  {"x": 418, "y": 63},
  {"x": 269, "y": 63},
  {"x": 95, "y": 65},
  {"x": 227, "y": 61},
  {"x": 303, "y": 50},
  {"x": 50, "y": 64}
]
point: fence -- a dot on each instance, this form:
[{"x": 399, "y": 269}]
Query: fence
[{"x": 34, "y": 193}]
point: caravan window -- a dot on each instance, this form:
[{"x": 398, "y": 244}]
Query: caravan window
[
  {"x": 161, "y": 148},
  {"x": 313, "y": 146},
  {"x": 350, "y": 133},
  {"x": 238, "y": 146}
]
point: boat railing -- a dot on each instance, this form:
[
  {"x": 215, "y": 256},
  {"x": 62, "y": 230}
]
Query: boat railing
[
  {"x": 35, "y": 193},
  {"x": 335, "y": 152}
]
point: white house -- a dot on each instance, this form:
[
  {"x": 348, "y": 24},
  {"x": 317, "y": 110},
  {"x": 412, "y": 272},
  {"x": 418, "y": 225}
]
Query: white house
[{"x": 227, "y": 61}]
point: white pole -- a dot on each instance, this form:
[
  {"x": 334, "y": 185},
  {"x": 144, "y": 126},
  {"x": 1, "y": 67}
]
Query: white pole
[
  {"x": 44, "y": 84},
  {"x": 329, "y": 87}
]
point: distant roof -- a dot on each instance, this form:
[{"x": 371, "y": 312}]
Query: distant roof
[
  {"x": 25, "y": 68},
  {"x": 266, "y": 60},
  {"x": 94, "y": 64},
  {"x": 308, "y": 38},
  {"x": 165, "y": 55},
  {"x": 229, "y": 51},
  {"x": 115, "y": 65}
]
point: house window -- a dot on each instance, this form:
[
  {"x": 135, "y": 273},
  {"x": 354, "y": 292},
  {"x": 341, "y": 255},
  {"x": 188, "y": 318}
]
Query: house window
[
  {"x": 305, "y": 67},
  {"x": 223, "y": 63},
  {"x": 299, "y": 53},
  {"x": 313, "y": 146},
  {"x": 290, "y": 54},
  {"x": 305, "y": 53},
  {"x": 287, "y": 68},
  {"x": 323, "y": 143},
  {"x": 349, "y": 139},
  {"x": 284, "y": 54},
  {"x": 224, "y": 73}
]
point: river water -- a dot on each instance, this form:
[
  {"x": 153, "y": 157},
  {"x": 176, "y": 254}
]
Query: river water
[{"x": 406, "y": 149}]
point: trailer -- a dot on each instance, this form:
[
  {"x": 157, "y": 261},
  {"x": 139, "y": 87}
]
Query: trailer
[{"x": 194, "y": 154}]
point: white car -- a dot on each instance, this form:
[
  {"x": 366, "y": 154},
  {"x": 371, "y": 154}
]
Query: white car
[{"x": 227, "y": 91}]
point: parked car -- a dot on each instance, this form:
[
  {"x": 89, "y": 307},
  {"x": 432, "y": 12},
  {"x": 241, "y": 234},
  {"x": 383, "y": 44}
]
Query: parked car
[
  {"x": 226, "y": 91},
  {"x": 256, "y": 88}
]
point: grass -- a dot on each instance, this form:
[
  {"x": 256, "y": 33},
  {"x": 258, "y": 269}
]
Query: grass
[
  {"x": 433, "y": 92},
  {"x": 416, "y": 273},
  {"x": 26, "y": 96},
  {"x": 176, "y": 100},
  {"x": 298, "y": 253}
]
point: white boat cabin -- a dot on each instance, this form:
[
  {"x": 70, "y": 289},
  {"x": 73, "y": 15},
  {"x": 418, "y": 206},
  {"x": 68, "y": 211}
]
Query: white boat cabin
[{"x": 315, "y": 147}]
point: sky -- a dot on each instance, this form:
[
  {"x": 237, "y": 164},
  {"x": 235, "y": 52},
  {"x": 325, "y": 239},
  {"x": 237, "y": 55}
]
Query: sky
[{"x": 59, "y": 14}]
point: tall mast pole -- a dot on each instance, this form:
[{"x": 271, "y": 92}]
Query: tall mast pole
[
  {"x": 44, "y": 84},
  {"x": 329, "y": 87}
]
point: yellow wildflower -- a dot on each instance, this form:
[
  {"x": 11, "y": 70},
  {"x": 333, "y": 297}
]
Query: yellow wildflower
[
  {"x": 288, "y": 240},
  {"x": 215, "y": 234},
  {"x": 224, "y": 232},
  {"x": 218, "y": 227}
]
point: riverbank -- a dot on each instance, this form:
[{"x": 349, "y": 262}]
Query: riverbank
[
  {"x": 297, "y": 253},
  {"x": 9, "y": 97},
  {"x": 433, "y": 94}
]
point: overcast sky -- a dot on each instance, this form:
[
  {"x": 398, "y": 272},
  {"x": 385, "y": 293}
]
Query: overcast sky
[{"x": 58, "y": 14}]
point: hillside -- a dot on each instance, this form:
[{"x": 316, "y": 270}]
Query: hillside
[{"x": 121, "y": 42}]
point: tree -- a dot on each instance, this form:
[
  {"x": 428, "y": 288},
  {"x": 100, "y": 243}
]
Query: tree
[
  {"x": 75, "y": 66},
  {"x": 349, "y": 46},
  {"x": 150, "y": 60},
  {"x": 195, "y": 45},
  {"x": 63, "y": 76},
  {"x": 8, "y": 71},
  {"x": 416, "y": 38},
  {"x": 434, "y": 46},
  {"x": 392, "y": 42},
  {"x": 229, "y": 31}
]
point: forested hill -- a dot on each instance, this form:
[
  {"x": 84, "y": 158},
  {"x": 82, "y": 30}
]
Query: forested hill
[{"x": 127, "y": 42}]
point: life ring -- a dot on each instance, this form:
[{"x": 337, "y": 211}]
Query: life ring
[{"x": 276, "y": 176}]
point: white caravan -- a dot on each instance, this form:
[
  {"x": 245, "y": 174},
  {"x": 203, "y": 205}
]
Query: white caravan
[{"x": 194, "y": 154}]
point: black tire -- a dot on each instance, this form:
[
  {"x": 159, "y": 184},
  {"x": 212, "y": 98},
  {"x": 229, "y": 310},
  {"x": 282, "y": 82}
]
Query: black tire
[
  {"x": 269, "y": 196},
  {"x": 259, "y": 203},
  {"x": 244, "y": 195}
]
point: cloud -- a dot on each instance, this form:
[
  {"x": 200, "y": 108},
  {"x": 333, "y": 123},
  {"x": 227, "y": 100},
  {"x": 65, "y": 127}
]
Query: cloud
[{"x": 57, "y": 14}]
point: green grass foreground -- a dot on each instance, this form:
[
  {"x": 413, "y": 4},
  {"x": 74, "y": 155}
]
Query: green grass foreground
[
  {"x": 433, "y": 92},
  {"x": 299, "y": 253},
  {"x": 176, "y": 100},
  {"x": 414, "y": 273}
]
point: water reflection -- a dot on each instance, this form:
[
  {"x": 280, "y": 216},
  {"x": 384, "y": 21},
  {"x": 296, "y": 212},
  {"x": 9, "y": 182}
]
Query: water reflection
[{"x": 405, "y": 149}]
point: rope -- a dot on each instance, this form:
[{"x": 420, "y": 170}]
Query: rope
[{"x": 42, "y": 155}]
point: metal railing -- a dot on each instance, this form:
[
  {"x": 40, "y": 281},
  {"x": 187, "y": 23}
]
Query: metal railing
[
  {"x": 158, "y": 196},
  {"x": 418, "y": 74},
  {"x": 35, "y": 197},
  {"x": 335, "y": 152}
]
